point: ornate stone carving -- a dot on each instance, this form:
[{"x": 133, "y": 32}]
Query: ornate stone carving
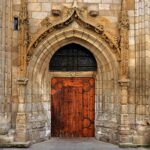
[
  {"x": 93, "y": 10},
  {"x": 46, "y": 22},
  {"x": 124, "y": 84},
  {"x": 74, "y": 14},
  {"x": 124, "y": 81},
  {"x": 124, "y": 20},
  {"x": 23, "y": 37},
  {"x": 124, "y": 43},
  {"x": 56, "y": 9}
]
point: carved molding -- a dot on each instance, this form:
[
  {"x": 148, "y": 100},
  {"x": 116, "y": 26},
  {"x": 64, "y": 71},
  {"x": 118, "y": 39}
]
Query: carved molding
[
  {"x": 124, "y": 41},
  {"x": 124, "y": 81},
  {"x": 22, "y": 81},
  {"x": 46, "y": 22},
  {"x": 73, "y": 14},
  {"x": 23, "y": 37}
]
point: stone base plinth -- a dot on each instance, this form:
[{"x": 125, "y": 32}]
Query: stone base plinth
[
  {"x": 127, "y": 145},
  {"x": 15, "y": 144}
]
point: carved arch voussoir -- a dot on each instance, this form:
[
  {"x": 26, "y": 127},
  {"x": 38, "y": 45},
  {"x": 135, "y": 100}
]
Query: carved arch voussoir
[{"x": 73, "y": 14}]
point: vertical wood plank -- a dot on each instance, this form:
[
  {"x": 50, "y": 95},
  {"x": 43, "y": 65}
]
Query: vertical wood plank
[{"x": 72, "y": 107}]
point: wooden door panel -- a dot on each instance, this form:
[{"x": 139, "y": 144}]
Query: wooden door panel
[
  {"x": 70, "y": 111},
  {"x": 72, "y": 107}
]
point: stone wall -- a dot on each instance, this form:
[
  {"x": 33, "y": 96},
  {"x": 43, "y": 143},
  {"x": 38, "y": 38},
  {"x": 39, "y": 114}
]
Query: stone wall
[
  {"x": 137, "y": 109},
  {"x": 5, "y": 67},
  {"x": 15, "y": 60},
  {"x": 142, "y": 72},
  {"x": 4, "y": 62},
  {"x": 142, "y": 64},
  {"x": 139, "y": 61}
]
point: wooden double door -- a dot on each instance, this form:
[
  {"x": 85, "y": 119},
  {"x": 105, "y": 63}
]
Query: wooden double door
[{"x": 72, "y": 107}]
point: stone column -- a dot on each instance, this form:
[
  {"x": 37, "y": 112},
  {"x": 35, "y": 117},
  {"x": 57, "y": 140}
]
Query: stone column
[
  {"x": 124, "y": 130},
  {"x": 21, "y": 118}
]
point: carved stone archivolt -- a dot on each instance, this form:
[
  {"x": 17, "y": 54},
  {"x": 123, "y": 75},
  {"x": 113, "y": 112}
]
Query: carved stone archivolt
[
  {"x": 71, "y": 15},
  {"x": 118, "y": 45}
]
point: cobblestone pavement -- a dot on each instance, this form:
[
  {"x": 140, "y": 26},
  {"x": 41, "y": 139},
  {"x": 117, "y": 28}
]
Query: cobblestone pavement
[{"x": 74, "y": 144}]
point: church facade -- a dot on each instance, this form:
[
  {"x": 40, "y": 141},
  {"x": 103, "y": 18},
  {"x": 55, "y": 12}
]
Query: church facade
[{"x": 75, "y": 68}]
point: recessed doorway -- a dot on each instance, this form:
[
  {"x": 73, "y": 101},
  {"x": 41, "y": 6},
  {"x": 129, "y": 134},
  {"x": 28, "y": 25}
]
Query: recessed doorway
[
  {"x": 72, "y": 98},
  {"x": 72, "y": 107}
]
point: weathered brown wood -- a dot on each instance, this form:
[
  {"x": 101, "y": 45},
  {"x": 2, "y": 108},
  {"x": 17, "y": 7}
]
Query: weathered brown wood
[{"x": 72, "y": 107}]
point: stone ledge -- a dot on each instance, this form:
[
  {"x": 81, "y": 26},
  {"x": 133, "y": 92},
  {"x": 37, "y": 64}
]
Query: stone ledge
[
  {"x": 16, "y": 145},
  {"x": 127, "y": 145}
]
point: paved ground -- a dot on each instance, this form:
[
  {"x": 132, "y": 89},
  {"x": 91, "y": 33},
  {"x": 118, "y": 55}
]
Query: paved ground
[{"x": 74, "y": 144}]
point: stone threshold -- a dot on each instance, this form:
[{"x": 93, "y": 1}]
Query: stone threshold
[
  {"x": 127, "y": 145},
  {"x": 16, "y": 145}
]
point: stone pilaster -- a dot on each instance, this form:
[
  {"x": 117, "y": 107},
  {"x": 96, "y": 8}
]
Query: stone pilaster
[
  {"x": 23, "y": 38},
  {"x": 22, "y": 134},
  {"x": 21, "y": 118},
  {"x": 124, "y": 129},
  {"x": 5, "y": 69}
]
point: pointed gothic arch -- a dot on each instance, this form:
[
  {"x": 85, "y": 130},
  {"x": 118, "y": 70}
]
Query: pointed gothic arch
[
  {"x": 106, "y": 76},
  {"x": 109, "y": 51},
  {"x": 73, "y": 15}
]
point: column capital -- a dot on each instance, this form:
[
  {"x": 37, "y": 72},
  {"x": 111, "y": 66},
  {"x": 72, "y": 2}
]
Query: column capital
[
  {"x": 124, "y": 82},
  {"x": 22, "y": 81}
]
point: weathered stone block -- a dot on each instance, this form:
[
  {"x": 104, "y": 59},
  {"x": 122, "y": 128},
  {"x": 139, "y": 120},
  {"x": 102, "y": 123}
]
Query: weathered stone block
[
  {"x": 4, "y": 125},
  {"x": 34, "y": 6},
  {"x": 93, "y": 1},
  {"x": 106, "y": 1},
  {"x": 104, "y": 6},
  {"x": 39, "y": 15},
  {"x": 16, "y": 1},
  {"x": 46, "y": 7}
]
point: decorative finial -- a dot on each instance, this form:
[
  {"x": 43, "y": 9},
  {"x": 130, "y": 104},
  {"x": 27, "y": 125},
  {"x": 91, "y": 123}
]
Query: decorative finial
[
  {"x": 124, "y": 5},
  {"x": 75, "y": 4},
  {"x": 124, "y": 21}
]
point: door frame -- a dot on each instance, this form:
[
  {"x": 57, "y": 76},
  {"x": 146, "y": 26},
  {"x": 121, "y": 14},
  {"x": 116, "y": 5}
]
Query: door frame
[{"x": 75, "y": 74}]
